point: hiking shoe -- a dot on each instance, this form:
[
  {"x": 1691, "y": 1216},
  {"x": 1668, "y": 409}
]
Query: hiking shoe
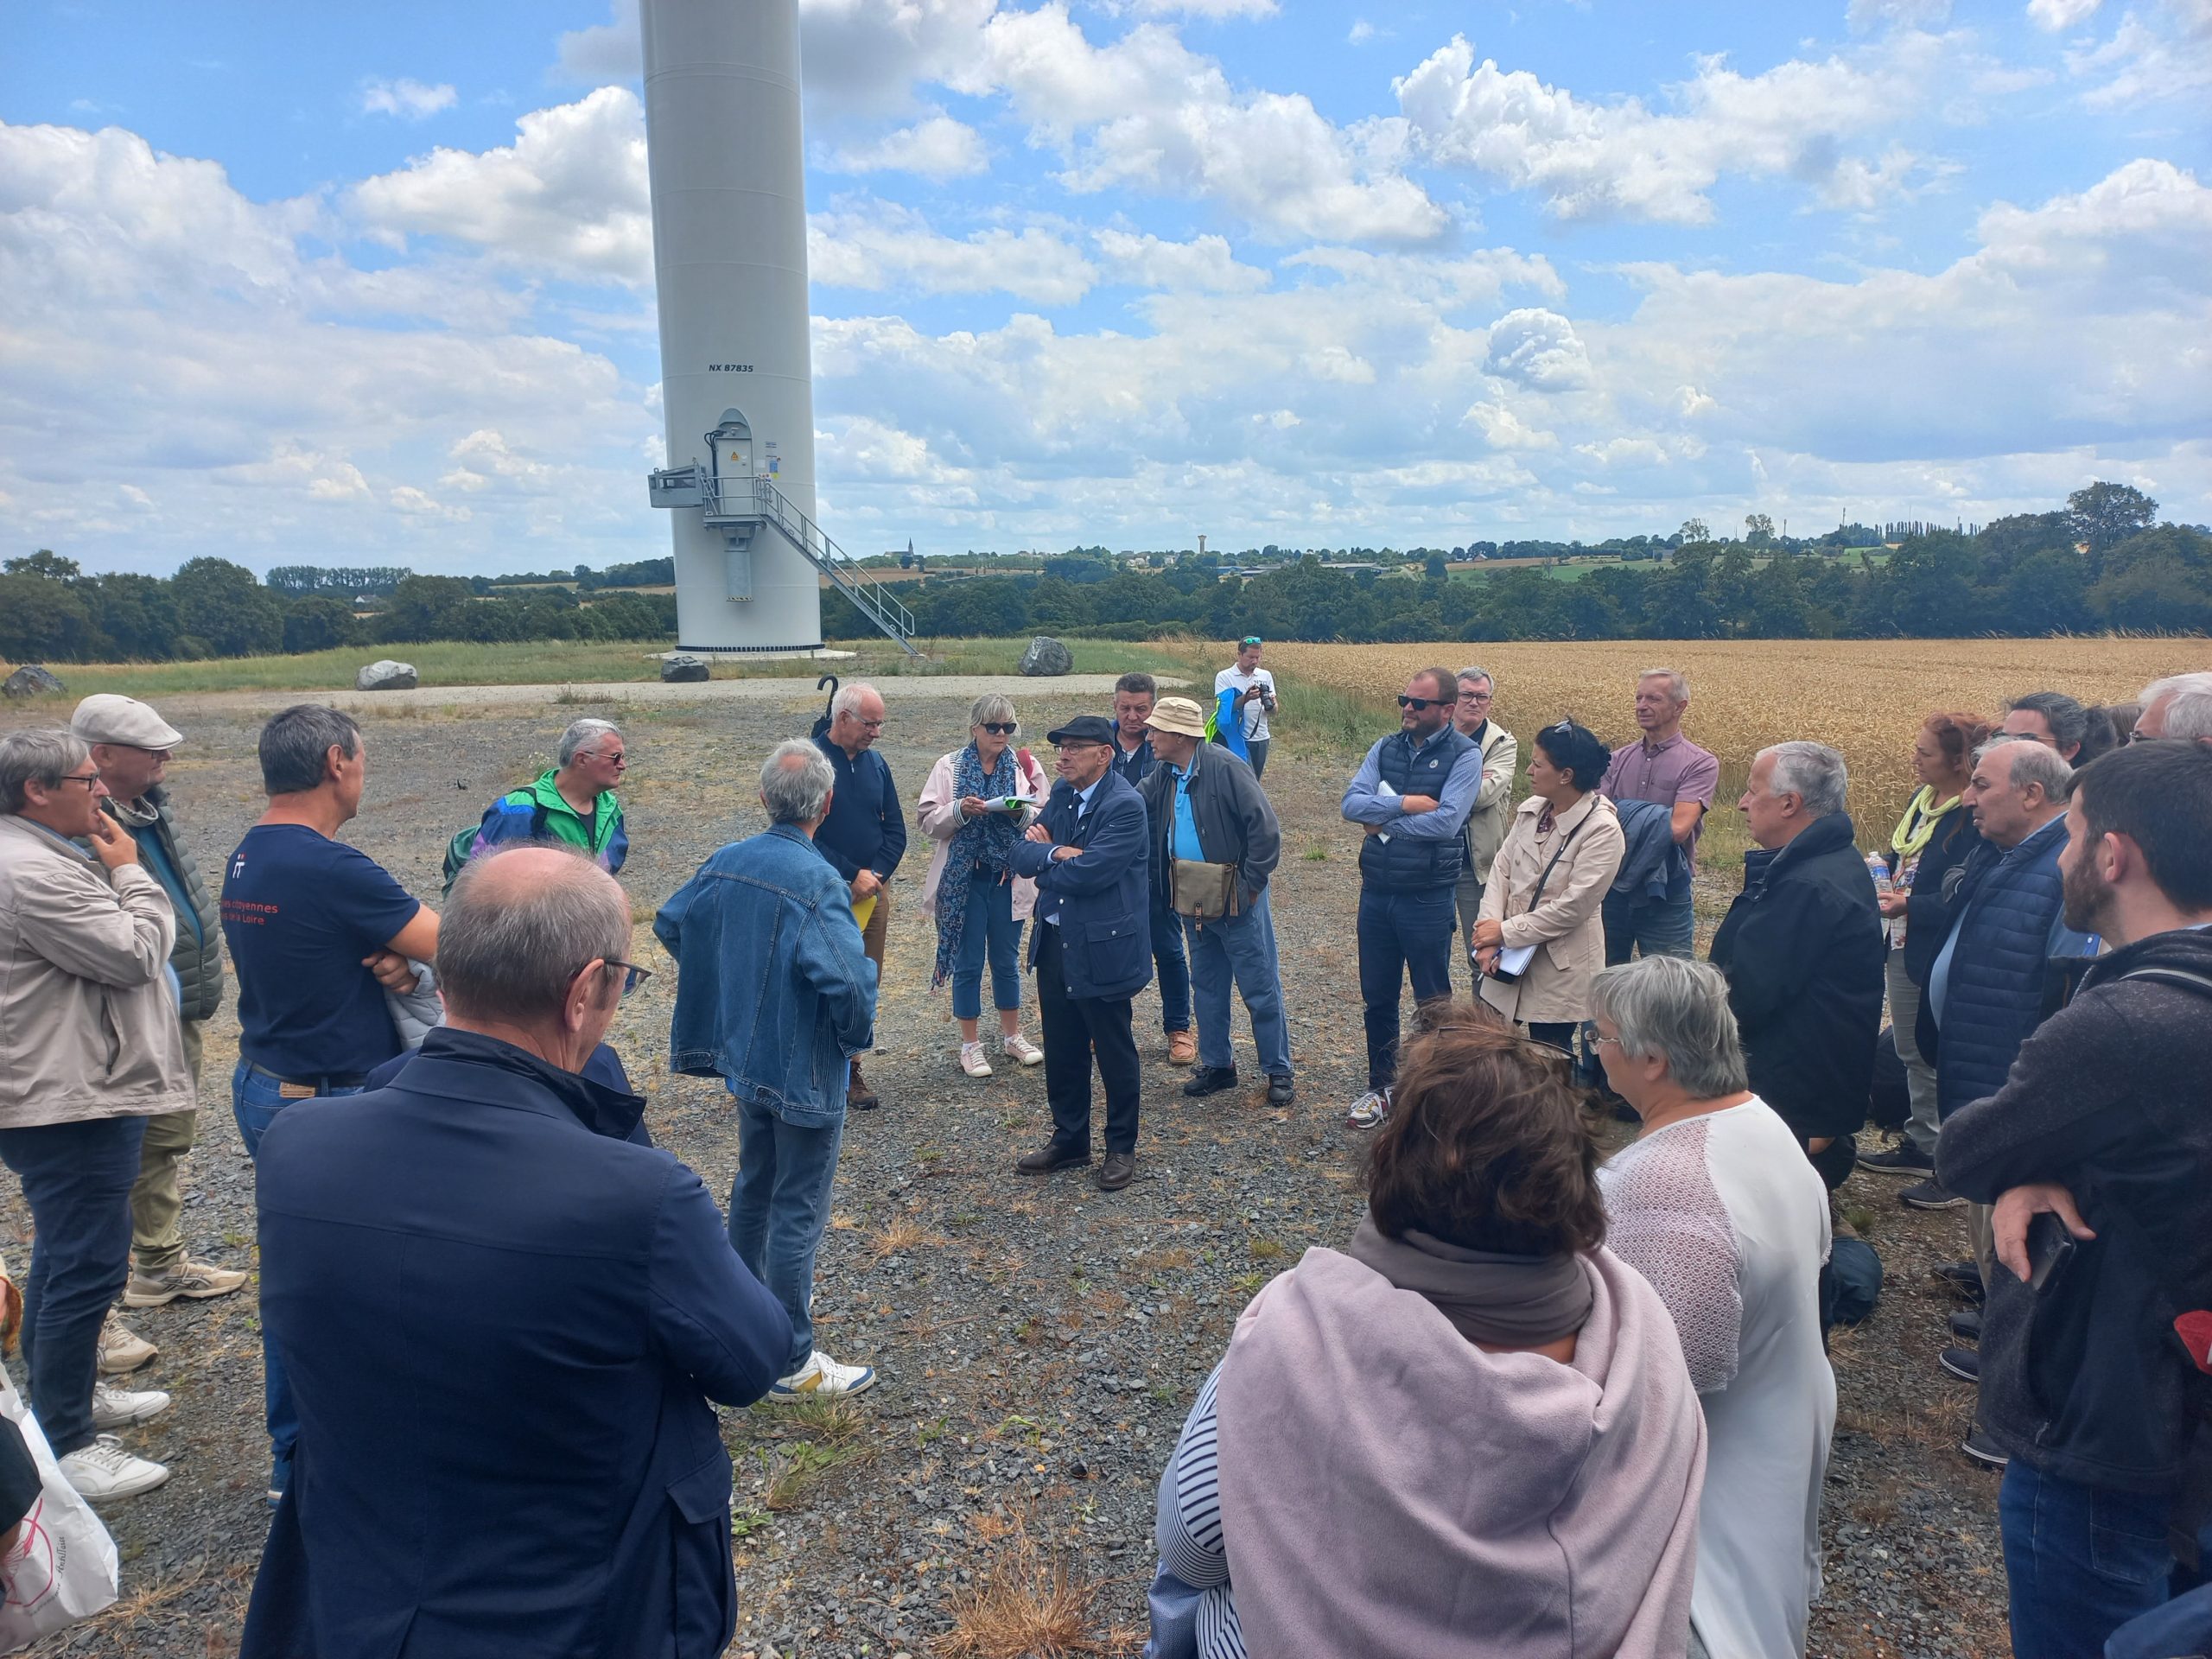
[
  {"x": 1211, "y": 1080},
  {"x": 975, "y": 1062},
  {"x": 1979, "y": 1446},
  {"x": 1369, "y": 1111},
  {"x": 114, "y": 1408},
  {"x": 1019, "y": 1048},
  {"x": 1117, "y": 1172},
  {"x": 859, "y": 1098},
  {"x": 104, "y": 1471},
  {"x": 1903, "y": 1159},
  {"x": 1182, "y": 1048},
  {"x": 123, "y": 1349},
  {"x": 1964, "y": 1277},
  {"x": 1962, "y": 1363},
  {"x": 1930, "y": 1194},
  {"x": 823, "y": 1374},
  {"x": 1052, "y": 1156},
  {"x": 1966, "y": 1324},
  {"x": 194, "y": 1280},
  {"x": 1281, "y": 1091}
]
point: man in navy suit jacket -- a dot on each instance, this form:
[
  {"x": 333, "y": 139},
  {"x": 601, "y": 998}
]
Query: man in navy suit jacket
[
  {"x": 1091, "y": 948},
  {"x": 504, "y": 1323}
]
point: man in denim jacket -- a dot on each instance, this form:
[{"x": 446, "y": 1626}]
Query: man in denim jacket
[{"x": 775, "y": 995}]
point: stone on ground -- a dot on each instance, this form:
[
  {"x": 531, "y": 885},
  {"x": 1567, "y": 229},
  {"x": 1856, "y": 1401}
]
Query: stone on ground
[
  {"x": 385, "y": 675},
  {"x": 31, "y": 680},
  {"x": 1047, "y": 656},
  {"x": 682, "y": 668}
]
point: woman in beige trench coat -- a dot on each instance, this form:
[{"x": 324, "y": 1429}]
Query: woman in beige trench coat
[{"x": 1547, "y": 886}]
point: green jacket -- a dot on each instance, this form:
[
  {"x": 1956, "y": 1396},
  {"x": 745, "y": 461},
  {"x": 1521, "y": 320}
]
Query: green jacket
[
  {"x": 198, "y": 955},
  {"x": 536, "y": 812}
]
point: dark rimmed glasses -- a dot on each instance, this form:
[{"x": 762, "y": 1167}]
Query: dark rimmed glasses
[
  {"x": 999, "y": 727},
  {"x": 1418, "y": 702},
  {"x": 633, "y": 976}
]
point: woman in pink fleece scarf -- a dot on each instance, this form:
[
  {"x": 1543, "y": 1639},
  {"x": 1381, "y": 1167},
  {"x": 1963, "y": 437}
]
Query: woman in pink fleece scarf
[{"x": 1471, "y": 1431}]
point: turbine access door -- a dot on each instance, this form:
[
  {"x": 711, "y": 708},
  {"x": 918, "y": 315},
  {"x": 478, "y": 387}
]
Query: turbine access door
[{"x": 729, "y": 447}]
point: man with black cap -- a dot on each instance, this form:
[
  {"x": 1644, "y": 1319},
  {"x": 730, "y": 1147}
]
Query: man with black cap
[
  {"x": 1091, "y": 948},
  {"x": 131, "y": 744}
]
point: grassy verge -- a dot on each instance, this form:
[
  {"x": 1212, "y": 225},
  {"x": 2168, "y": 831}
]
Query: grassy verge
[{"x": 553, "y": 662}]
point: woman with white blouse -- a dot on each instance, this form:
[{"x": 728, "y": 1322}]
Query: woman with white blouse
[{"x": 1714, "y": 1204}]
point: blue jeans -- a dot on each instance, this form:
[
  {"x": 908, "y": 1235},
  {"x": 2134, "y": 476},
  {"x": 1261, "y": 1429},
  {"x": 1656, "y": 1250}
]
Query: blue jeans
[
  {"x": 1241, "y": 948},
  {"x": 1174, "y": 968},
  {"x": 255, "y": 1102},
  {"x": 1257, "y": 748},
  {"x": 778, "y": 1206},
  {"x": 77, "y": 1179},
  {"x": 990, "y": 927},
  {"x": 1401, "y": 935},
  {"x": 2081, "y": 1561},
  {"x": 1663, "y": 927}
]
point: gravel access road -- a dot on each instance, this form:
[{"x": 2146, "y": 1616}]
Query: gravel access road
[{"x": 1039, "y": 1342}]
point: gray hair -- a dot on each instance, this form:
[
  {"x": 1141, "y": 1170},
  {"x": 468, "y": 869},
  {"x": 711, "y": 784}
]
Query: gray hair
[
  {"x": 991, "y": 706},
  {"x": 2031, "y": 763},
  {"x": 1812, "y": 772},
  {"x": 508, "y": 949},
  {"x": 39, "y": 756},
  {"x": 847, "y": 700},
  {"x": 1482, "y": 674},
  {"x": 581, "y": 733},
  {"x": 1678, "y": 684},
  {"x": 1678, "y": 1009},
  {"x": 796, "y": 781},
  {"x": 2189, "y": 703},
  {"x": 295, "y": 742}
]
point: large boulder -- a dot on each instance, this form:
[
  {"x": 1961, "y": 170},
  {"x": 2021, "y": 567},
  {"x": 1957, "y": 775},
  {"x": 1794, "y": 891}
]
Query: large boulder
[
  {"x": 682, "y": 668},
  {"x": 31, "y": 681},
  {"x": 1047, "y": 656},
  {"x": 385, "y": 675}
]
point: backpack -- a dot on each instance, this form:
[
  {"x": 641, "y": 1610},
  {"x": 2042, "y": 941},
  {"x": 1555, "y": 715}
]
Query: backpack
[{"x": 458, "y": 848}]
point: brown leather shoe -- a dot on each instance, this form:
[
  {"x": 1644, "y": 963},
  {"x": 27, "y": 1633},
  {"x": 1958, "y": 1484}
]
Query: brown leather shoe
[
  {"x": 1052, "y": 1156},
  {"x": 1182, "y": 1048},
  {"x": 1117, "y": 1172},
  {"x": 859, "y": 1096}
]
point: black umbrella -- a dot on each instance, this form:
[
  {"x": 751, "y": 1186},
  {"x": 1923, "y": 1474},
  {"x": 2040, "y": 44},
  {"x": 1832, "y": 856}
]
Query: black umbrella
[{"x": 821, "y": 725}]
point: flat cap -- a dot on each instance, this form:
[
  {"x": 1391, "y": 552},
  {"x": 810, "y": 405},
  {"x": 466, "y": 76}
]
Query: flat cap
[
  {"x": 1083, "y": 728},
  {"x": 104, "y": 717}
]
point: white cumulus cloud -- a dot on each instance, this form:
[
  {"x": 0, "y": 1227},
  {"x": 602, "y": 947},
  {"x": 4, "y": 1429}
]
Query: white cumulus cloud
[
  {"x": 1203, "y": 264},
  {"x": 1539, "y": 348},
  {"x": 937, "y": 147},
  {"x": 410, "y": 99}
]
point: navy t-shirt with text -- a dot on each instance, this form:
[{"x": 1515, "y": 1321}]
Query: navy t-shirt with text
[{"x": 300, "y": 911}]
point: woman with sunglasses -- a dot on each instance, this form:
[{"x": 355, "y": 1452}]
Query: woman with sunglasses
[
  {"x": 1540, "y": 938},
  {"x": 979, "y": 903}
]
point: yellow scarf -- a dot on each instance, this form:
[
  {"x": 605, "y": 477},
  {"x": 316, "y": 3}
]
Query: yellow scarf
[{"x": 1917, "y": 828}]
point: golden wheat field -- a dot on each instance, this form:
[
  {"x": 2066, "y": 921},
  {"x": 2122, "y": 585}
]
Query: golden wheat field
[{"x": 1865, "y": 697}]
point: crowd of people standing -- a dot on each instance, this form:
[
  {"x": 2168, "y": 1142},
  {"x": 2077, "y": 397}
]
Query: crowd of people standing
[{"x": 438, "y": 1127}]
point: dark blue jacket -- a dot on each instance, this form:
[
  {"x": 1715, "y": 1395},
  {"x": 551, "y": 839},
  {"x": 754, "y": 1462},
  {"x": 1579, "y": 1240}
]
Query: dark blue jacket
[
  {"x": 503, "y": 1326},
  {"x": 602, "y": 1066},
  {"x": 867, "y": 825},
  {"x": 2008, "y": 929},
  {"x": 1648, "y": 866},
  {"x": 1105, "y": 909},
  {"x": 772, "y": 990}
]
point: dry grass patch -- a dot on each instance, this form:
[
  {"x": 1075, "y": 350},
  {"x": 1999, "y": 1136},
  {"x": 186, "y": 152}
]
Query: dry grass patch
[
  {"x": 1028, "y": 1602},
  {"x": 901, "y": 1237}
]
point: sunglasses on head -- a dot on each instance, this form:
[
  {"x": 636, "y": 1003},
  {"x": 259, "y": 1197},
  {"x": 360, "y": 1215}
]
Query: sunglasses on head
[
  {"x": 1417, "y": 703},
  {"x": 999, "y": 727},
  {"x": 1250, "y": 639}
]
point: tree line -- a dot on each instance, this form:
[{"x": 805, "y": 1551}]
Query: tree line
[{"x": 2103, "y": 562}]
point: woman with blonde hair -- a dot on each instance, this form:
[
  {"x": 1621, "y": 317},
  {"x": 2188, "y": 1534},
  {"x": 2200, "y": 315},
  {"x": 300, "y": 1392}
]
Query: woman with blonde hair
[{"x": 974, "y": 808}]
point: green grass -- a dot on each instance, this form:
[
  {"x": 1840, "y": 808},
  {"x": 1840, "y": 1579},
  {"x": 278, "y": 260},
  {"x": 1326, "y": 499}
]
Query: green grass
[{"x": 555, "y": 662}]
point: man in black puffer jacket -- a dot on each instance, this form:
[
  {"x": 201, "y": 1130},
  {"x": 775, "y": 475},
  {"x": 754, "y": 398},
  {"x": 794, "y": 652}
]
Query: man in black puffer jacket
[
  {"x": 2106, "y": 1122},
  {"x": 1804, "y": 949}
]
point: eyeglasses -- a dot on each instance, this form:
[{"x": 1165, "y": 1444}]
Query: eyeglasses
[
  {"x": 633, "y": 976},
  {"x": 1474, "y": 696},
  {"x": 87, "y": 779},
  {"x": 1597, "y": 1036},
  {"x": 620, "y": 761},
  {"x": 999, "y": 727},
  {"x": 868, "y": 725},
  {"x": 1417, "y": 703}
]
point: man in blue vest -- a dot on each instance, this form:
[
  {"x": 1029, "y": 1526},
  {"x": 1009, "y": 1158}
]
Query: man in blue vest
[{"x": 1411, "y": 796}]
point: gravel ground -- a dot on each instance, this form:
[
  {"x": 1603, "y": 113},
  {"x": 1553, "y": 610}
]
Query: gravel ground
[{"x": 1039, "y": 1342}]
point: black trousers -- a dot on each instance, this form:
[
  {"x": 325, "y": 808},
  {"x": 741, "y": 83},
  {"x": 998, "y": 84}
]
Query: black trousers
[{"x": 1077, "y": 1029}]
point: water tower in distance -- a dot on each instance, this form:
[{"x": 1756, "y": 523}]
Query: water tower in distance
[{"x": 724, "y": 149}]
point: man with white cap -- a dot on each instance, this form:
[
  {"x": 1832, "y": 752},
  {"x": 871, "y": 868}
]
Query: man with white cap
[{"x": 131, "y": 744}]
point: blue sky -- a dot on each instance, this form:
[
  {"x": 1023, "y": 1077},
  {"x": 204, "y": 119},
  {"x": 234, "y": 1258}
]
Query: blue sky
[{"x": 374, "y": 284}]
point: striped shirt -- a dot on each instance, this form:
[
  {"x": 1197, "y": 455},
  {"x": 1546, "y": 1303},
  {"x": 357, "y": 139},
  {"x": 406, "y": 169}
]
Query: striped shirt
[{"x": 1191, "y": 1551}]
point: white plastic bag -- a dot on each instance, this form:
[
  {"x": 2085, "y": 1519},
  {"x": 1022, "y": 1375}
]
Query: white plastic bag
[{"x": 63, "y": 1567}]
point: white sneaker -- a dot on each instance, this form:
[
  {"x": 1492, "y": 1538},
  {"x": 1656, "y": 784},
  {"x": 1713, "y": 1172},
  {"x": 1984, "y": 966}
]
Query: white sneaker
[
  {"x": 823, "y": 1374},
  {"x": 1370, "y": 1110},
  {"x": 123, "y": 1349},
  {"x": 114, "y": 1408},
  {"x": 974, "y": 1062},
  {"x": 104, "y": 1471},
  {"x": 1021, "y": 1048}
]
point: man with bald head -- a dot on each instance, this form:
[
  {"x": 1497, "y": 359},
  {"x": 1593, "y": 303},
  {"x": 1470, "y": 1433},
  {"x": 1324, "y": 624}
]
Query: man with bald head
[{"x": 506, "y": 1326}]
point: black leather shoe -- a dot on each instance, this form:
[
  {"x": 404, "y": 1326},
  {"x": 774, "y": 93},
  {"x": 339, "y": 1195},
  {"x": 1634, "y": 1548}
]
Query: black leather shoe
[
  {"x": 1211, "y": 1080},
  {"x": 1280, "y": 1091},
  {"x": 1963, "y": 1277},
  {"x": 1117, "y": 1172},
  {"x": 1052, "y": 1156},
  {"x": 1962, "y": 1363},
  {"x": 1966, "y": 1324}
]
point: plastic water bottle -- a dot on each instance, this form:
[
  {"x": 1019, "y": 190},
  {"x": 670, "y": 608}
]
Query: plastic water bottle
[{"x": 1878, "y": 868}]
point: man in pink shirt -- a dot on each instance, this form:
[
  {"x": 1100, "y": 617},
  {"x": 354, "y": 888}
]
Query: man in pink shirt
[{"x": 1665, "y": 766}]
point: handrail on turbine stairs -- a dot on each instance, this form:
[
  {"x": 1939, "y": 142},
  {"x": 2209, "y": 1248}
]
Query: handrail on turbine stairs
[{"x": 744, "y": 502}]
